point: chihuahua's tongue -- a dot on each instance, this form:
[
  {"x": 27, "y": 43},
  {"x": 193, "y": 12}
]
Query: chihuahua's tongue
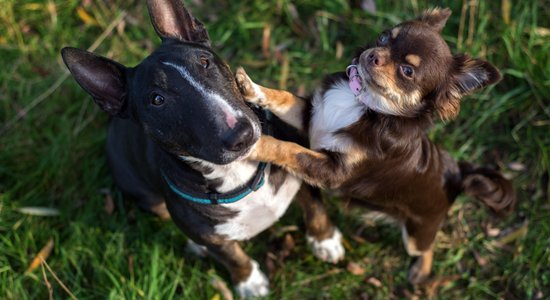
[{"x": 354, "y": 79}]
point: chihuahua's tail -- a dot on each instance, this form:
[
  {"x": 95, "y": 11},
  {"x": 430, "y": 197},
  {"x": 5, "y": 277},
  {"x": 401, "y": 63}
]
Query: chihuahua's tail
[{"x": 488, "y": 186}]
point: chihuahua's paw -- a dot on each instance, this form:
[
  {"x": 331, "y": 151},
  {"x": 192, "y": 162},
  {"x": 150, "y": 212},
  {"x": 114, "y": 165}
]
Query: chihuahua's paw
[
  {"x": 329, "y": 250},
  {"x": 419, "y": 271},
  {"x": 250, "y": 91},
  {"x": 195, "y": 249},
  {"x": 257, "y": 284}
]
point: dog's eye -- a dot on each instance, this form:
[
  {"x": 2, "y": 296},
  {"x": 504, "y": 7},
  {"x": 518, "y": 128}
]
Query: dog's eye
[
  {"x": 383, "y": 39},
  {"x": 407, "y": 71},
  {"x": 205, "y": 62},
  {"x": 157, "y": 100}
]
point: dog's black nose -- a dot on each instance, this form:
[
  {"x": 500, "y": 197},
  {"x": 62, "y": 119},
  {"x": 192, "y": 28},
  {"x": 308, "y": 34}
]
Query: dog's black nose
[{"x": 239, "y": 138}]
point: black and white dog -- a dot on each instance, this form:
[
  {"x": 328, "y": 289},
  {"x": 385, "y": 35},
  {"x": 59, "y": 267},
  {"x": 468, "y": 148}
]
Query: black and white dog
[{"x": 179, "y": 139}]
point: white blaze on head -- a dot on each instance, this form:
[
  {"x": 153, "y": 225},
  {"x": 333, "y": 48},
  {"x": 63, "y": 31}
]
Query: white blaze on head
[{"x": 230, "y": 114}]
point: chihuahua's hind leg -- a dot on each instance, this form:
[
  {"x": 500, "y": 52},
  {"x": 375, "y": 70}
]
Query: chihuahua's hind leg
[
  {"x": 285, "y": 105},
  {"x": 418, "y": 238}
]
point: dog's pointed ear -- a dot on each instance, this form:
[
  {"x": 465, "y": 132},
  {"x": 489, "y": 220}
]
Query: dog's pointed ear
[
  {"x": 172, "y": 20},
  {"x": 436, "y": 18},
  {"x": 467, "y": 75},
  {"x": 102, "y": 78}
]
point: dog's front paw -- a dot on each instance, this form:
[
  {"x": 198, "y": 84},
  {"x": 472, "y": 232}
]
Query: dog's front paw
[
  {"x": 195, "y": 249},
  {"x": 257, "y": 284},
  {"x": 329, "y": 250},
  {"x": 250, "y": 91}
]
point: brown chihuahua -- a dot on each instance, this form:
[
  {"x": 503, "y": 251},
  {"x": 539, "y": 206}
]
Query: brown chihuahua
[{"x": 367, "y": 129}]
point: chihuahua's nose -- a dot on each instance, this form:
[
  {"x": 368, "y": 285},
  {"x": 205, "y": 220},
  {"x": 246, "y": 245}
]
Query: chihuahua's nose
[
  {"x": 375, "y": 59},
  {"x": 239, "y": 138}
]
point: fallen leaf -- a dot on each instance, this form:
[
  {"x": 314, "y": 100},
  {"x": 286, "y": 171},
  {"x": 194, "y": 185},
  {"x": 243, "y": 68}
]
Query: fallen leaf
[
  {"x": 288, "y": 245},
  {"x": 85, "y": 17},
  {"x": 369, "y": 5},
  {"x": 42, "y": 255},
  {"x": 131, "y": 265},
  {"x": 480, "y": 259},
  {"x": 285, "y": 70},
  {"x": 266, "y": 41},
  {"x": 505, "y": 9},
  {"x": 542, "y": 31},
  {"x": 512, "y": 236},
  {"x": 221, "y": 287},
  {"x": 329, "y": 273},
  {"x": 492, "y": 232},
  {"x": 517, "y": 166},
  {"x": 339, "y": 50},
  {"x": 375, "y": 282},
  {"x": 33, "y": 6},
  {"x": 271, "y": 264},
  {"x": 431, "y": 286},
  {"x": 39, "y": 211},
  {"x": 301, "y": 91},
  {"x": 358, "y": 239},
  {"x": 355, "y": 269},
  {"x": 109, "y": 205}
]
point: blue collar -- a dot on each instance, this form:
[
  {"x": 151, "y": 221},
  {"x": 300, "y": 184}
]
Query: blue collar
[
  {"x": 221, "y": 198},
  {"x": 255, "y": 183}
]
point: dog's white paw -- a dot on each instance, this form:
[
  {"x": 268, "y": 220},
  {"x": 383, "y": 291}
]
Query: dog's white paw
[
  {"x": 329, "y": 250},
  {"x": 196, "y": 249},
  {"x": 250, "y": 91},
  {"x": 257, "y": 284}
]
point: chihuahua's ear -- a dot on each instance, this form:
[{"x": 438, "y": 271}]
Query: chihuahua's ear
[
  {"x": 172, "y": 20},
  {"x": 467, "y": 75},
  {"x": 436, "y": 18},
  {"x": 102, "y": 78}
]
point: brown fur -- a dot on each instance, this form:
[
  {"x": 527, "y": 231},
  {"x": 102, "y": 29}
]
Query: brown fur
[{"x": 392, "y": 166}]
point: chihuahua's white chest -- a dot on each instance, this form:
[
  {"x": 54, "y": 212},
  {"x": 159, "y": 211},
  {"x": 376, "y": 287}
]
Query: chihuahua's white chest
[{"x": 333, "y": 110}]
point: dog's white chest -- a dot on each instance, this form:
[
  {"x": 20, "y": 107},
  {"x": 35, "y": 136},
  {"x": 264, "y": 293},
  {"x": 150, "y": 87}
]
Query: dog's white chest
[
  {"x": 333, "y": 111},
  {"x": 259, "y": 210}
]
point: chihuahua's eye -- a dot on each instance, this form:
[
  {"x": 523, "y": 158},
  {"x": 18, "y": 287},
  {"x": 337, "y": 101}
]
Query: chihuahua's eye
[
  {"x": 157, "y": 100},
  {"x": 205, "y": 62},
  {"x": 383, "y": 39},
  {"x": 407, "y": 71}
]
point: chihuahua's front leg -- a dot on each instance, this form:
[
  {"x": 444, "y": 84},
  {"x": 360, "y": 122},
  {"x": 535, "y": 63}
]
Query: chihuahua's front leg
[
  {"x": 285, "y": 105},
  {"x": 323, "y": 169}
]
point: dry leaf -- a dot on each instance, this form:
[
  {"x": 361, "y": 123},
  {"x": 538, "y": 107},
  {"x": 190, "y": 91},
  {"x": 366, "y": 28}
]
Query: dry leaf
[
  {"x": 355, "y": 269},
  {"x": 505, "y": 8},
  {"x": 339, "y": 50},
  {"x": 301, "y": 91},
  {"x": 375, "y": 282},
  {"x": 33, "y": 6},
  {"x": 42, "y": 255},
  {"x": 369, "y": 5},
  {"x": 512, "y": 236},
  {"x": 433, "y": 285},
  {"x": 480, "y": 259},
  {"x": 517, "y": 166},
  {"x": 39, "y": 211},
  {"x": 85, "y": 17},
  {"x": 266, "y": 41},
  {"x": 285, "y": 70},
  {"x": 221, "y": 287},
  {"x": 109, "y": 205}
]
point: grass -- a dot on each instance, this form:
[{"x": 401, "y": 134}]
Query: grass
[{"x": 51, "y": 154}]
